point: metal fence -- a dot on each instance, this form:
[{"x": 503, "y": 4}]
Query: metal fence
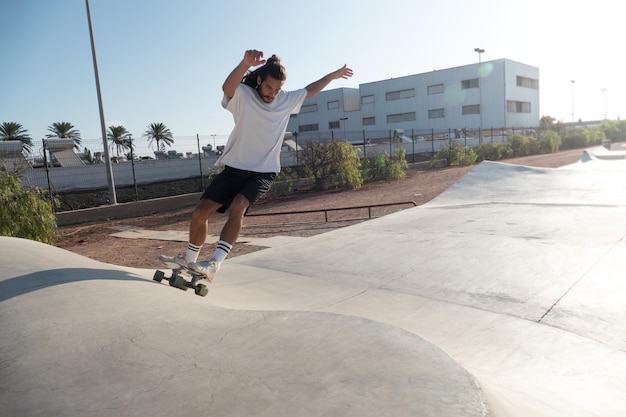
[
  {"x": 64, "y": 168},
  {"x": 415, "y": 142}
]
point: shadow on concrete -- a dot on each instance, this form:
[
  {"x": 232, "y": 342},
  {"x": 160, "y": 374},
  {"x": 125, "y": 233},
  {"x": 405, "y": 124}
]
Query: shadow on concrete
[{"x": 36, "y": 281}]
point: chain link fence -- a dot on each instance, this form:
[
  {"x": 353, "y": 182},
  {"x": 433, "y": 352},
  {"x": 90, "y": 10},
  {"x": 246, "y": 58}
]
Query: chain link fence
[{"x": 77, "y": 176}]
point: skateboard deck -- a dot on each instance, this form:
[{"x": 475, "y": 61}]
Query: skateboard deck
[{"x": 178, "y": 280}]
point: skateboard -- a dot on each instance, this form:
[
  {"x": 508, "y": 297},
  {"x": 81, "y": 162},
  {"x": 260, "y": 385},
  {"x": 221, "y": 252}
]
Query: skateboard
[{"x": 178, "y": 280}]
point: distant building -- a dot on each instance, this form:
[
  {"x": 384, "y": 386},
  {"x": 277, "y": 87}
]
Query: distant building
[{"x": 504, "y": 95}]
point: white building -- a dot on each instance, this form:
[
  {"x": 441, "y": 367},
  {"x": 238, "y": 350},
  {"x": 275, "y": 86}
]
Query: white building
[{"x": 500, "y": 94}]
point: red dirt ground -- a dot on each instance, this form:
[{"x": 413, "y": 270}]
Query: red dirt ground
[{"x": 94, "y": 240}]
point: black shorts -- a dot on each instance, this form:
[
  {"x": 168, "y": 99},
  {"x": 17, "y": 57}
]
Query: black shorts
[{"x": 232, "y": 181}]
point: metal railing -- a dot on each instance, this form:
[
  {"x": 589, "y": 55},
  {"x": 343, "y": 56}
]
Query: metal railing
[{"x": 335, "y": 209}]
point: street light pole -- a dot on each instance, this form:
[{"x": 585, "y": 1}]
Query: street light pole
[
  {"x": 480, "y": 92},
  {"x": 109, "y": 168},
  {"x": 604, "y": 92},
  {"x": 573, "y": 82}
]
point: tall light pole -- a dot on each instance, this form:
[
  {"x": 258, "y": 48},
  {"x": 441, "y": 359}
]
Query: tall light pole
[
  {"x": 573, "y": 82},
  {"x": 107, "y": 159},
  {"x": 604, "y": 92},
  {"x": 480, "y": 92}
]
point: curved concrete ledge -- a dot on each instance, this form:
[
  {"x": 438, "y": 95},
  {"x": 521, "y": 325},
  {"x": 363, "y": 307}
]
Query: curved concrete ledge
[{"x": 81, "y": 337}]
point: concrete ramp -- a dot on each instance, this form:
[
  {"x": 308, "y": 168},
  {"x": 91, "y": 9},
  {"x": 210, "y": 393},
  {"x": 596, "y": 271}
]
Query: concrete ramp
[
  {"x": 399, "y": 136},
  {"x": 81, "y": 337},
  {"x": 603, "y": 154},
  {"x": 504, "y": 296},
  {"x": 517, "y": 273}
]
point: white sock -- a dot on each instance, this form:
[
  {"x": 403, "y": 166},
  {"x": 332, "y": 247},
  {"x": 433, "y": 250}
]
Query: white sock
[
  {"x": 192, "y": 252},
  {"x": 221, "y": 251}
]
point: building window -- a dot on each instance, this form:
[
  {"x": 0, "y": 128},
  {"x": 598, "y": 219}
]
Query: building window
[
  {"x": 313, "y": 127},
  {"x": 436, "y": 113},
  {"x": 334, "y": 125},
  {"x": 397, "y": 95},
  {"x": 401, "y": 117},
  {"x": 518, "y": 106},
  {"x": 333, "y": 104},
  {"x": 435, "y": 89},
  {"x": 309, "y": 108},
  {"x": 369, "y": 121},
  {"x": 527, "y": 82},
  {"x": 471, "y": 109},
  {"x": 367, "y": 99},
  {"x": 473, "y": 83}
]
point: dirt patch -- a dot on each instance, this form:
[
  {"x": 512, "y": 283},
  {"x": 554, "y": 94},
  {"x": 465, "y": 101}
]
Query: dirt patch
[{"x": 94, "y": 240}]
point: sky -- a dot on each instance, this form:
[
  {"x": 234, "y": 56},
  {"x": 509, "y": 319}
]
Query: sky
[{"x": 164, "y": 61}]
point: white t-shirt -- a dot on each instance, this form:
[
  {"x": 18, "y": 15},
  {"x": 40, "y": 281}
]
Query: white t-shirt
[{"x": 257, "y": 138}]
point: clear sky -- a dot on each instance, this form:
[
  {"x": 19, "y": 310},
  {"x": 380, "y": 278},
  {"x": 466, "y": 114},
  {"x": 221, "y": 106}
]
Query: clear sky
[{"x": 165, "y": 60}]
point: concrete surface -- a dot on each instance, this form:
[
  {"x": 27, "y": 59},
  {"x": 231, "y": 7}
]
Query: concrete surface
[
  {"x": 182, "y": 236},
  {"x": 502, "y": 297}
]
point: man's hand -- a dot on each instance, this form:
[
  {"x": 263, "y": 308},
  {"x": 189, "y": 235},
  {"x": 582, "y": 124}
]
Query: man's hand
[
  {"x": 253, "y": 58},
  {"x": 343, "y": 72},
  {"x": 314, "y": 88}
]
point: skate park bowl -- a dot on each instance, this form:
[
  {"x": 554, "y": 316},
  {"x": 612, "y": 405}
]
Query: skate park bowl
[{"x": 504, "y": 296}]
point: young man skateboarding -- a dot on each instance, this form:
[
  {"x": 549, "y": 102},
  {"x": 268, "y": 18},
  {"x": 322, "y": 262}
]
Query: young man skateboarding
[{"x": 251, "y": 158}]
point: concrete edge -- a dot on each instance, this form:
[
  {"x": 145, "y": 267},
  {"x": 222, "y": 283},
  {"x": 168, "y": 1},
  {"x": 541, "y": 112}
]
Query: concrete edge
[{"x": 126, "y": 210}]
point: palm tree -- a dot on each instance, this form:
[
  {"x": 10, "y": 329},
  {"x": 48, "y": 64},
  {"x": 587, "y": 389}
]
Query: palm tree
[
  {"x": 160, "y": 133},
  {"x": 64, "y": 130},
  {"x": 119, "y": 137},
  {"x": 15, "y": 131}
]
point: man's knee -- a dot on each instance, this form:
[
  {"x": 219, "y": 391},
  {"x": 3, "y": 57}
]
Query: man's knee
[
  {"x": 204, "y": 209},
  {"x": 239, "y": 205}
]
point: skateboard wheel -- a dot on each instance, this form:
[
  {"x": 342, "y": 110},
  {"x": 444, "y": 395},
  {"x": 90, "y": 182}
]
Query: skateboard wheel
[
  {"x": 158, "y": 276},
  {"x": 178, "y": 282},
  {"x": 202, "y": 290},
  {"x": 172, "y": 278}
]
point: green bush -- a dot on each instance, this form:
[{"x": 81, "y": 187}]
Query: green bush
[
  {"x": 385, "y": 167},
  {"x": 580, "y": 138},
  {"x": 25, "y": 213},
  {"x": 550, "y": 142},
  {"x": 331, "y": 165},
  {"x": 523, "y": 145},
  {"x": 621, "y": 131},
  {"x": 595, "y": 137},
  {"x": 283, "y": 184},
  {"x": 493, "y": 151},
  {"x": 455, "y": 155},
  {"x": 575, "y": 138},
  {"x": 613, "y": 129}
]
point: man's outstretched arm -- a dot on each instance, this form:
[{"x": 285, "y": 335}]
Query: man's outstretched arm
[
  {"x": 317, "y": 86},
  {"x": 251, "y": 58}
]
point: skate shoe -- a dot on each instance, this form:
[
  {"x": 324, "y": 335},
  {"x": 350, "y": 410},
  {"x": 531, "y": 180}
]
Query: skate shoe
[
  {"x": 205, "y": 269},
  {"x": 174, "y": 262}
]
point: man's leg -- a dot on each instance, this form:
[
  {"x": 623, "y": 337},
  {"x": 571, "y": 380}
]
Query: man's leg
[
  {"x": 198, "y": 228},
  {"x": 232, "y": 227},
  {"x": 228, "y": 237}
]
